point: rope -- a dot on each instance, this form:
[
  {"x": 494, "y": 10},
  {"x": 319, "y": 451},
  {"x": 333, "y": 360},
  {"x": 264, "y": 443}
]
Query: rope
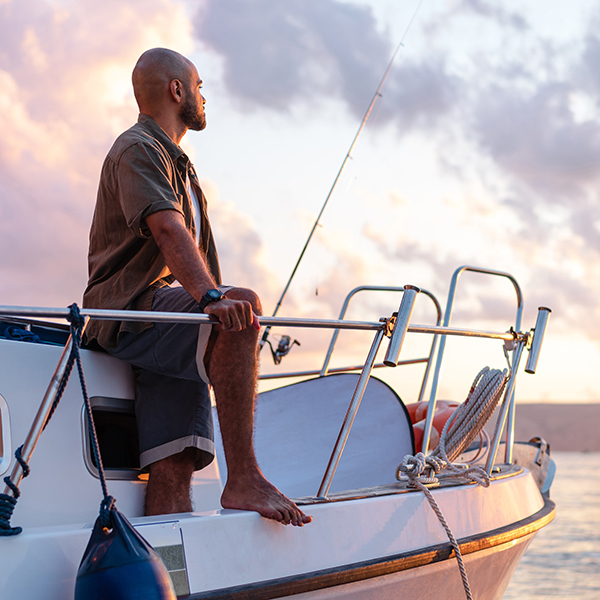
[
  {"x": 7, "y": 503},
  {"x": 459, "y": 431},
  {"x": 108, "y": 501}
]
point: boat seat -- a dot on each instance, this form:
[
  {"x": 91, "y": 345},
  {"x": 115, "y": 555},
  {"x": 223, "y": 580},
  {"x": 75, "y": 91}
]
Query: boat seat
[{"x": 297, "y": 426}]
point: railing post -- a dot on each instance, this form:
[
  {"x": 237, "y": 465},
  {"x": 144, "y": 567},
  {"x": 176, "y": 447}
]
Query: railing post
[
  {"x": 506, "y": 408},
  {"x": 43, "y": 412},
  {"x": 342, "y": 438}
]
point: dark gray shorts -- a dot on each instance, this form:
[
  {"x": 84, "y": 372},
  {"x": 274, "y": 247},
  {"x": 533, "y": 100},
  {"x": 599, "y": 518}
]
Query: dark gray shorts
[{"x": 172, "y": 402}]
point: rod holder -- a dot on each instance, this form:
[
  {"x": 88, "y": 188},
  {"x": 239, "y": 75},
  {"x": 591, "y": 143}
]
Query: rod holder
[
  {"x": 538, "y": 338},
  {"x": 401, "y": 326}
]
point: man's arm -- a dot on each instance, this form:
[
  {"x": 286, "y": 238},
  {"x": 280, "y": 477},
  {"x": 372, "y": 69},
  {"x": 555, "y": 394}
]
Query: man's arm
[{"x": 188, "y": 266}]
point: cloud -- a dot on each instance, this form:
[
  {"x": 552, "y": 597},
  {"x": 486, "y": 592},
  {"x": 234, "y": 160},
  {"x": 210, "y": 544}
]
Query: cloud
[
  {"x": 278, "y": 55},
  {"x": 516, "y": 111},
  {"x": 527, "y": 139},
  {"x": 65, "y": 93},
  {"x": 493, "y": 11},
  {"x": 535, "y": 138},
  {"x": 529, "y": 130},
  {"x": 241, "y": 251},
  {"x": 590, "y": 60}
]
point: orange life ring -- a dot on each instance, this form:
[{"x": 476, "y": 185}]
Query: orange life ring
[
  {"x": 418, "y": 410},
  {"x": 418, "y": 430},
  {"x": 441, "y": 416},
  {"x": 444, "y": 409}
]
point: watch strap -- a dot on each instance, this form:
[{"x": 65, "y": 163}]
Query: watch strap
[{"x": 213, "y": 295}]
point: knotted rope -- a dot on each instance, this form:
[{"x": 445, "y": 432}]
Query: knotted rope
[
  {"x": 8, "y": 503},
  {"x": 459, "y": 431}
]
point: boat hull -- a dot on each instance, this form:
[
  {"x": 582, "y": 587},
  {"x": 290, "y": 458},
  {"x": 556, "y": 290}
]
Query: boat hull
[
  {"x": 371, "y": 547},
  {"x": 489, "y": 573},
  {"x": 428, "y": 574},
  {"x": 376, "y": 542}
]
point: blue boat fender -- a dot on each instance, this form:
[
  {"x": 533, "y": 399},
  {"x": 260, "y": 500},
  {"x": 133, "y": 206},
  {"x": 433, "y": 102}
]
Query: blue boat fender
[{"x": 119, "y": 564}]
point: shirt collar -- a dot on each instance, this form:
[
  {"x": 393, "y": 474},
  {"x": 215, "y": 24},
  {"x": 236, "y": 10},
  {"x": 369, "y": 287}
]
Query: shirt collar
[{"x": 159, "y": 133}]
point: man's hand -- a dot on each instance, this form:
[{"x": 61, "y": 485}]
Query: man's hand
[{"x": 234, "y": 315}]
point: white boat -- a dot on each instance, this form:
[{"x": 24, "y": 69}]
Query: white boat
[{"x": 372, "y": 536}]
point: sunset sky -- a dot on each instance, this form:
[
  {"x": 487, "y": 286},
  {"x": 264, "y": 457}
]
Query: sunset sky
[{"x": 484, "y": 149}]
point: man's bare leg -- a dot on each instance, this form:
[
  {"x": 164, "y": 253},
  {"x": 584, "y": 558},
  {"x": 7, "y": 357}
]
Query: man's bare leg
[
  {"x": 168, "y": 489},
  {"x": 232, "y": 367}
]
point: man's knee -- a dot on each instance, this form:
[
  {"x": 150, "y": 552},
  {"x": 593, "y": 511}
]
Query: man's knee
[{"x": 247, "y": 295}]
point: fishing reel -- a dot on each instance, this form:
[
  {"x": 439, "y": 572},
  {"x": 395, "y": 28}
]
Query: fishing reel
[{"x": 283, "y": 348}]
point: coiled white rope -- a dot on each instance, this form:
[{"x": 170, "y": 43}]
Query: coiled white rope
[{"x": 459, "y": 431}]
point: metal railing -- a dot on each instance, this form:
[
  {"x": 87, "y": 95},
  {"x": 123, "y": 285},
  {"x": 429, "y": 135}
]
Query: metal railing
[
  {"x": 325, "y": 369},
  {"x": 508, "y": 412},
  {"x": 394, "y": 327}
]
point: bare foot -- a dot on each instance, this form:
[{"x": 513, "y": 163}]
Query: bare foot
[{"x": 256, "y": 493}]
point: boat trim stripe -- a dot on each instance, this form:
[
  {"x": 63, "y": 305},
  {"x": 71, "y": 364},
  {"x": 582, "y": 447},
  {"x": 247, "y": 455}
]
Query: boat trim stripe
[{"x": 316, "y": 580}]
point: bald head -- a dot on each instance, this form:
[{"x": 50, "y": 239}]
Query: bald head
[
  {"x": 167, "y": 89},
  {"x": 153, "y": 74}
]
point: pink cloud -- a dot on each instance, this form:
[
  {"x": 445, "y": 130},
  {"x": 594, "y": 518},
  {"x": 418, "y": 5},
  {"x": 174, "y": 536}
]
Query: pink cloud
[{"x": 64, "y": 95}]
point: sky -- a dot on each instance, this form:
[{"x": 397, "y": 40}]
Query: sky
[{"x": 483, "y": 149}]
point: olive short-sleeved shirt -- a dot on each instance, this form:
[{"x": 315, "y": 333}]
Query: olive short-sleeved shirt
[{"x": 144, "y": 172}]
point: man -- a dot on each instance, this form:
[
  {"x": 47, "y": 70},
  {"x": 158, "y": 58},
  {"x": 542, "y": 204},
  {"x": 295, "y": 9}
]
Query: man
[{"x": 151, "y": 233}]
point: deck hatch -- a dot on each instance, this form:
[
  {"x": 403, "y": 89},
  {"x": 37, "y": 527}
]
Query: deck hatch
[{"x": 117, "y": 436}]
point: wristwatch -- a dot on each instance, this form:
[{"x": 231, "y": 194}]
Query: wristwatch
[{"x": 210, "y": 296}]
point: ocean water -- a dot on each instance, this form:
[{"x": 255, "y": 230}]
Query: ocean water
[{"x": 563, "y": 561}]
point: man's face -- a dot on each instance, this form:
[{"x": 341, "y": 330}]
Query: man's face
[{"x": 191, "y": 112}]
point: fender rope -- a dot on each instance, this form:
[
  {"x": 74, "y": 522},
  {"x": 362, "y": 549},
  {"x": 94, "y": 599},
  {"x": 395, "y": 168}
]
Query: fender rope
[
  {"x": 459, "y": 431},
  {"x": 8, "y": 503}
]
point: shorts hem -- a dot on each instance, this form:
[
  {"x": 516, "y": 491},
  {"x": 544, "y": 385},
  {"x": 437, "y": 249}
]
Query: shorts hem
[{"x": 175, "y": 447}]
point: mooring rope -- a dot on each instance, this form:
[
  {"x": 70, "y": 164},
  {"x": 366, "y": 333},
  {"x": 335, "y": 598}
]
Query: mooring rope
[
  {"x": 108, "y": 501},
  {"x": 8, "y": 503},
  {"x": 459, "y": 431}
]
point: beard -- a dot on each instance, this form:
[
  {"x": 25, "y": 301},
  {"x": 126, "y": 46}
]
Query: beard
[{"x": 191, "y": 117}]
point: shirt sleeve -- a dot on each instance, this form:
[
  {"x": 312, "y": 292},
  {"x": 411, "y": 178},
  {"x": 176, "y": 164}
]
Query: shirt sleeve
[{"x": 145, "y": 184}]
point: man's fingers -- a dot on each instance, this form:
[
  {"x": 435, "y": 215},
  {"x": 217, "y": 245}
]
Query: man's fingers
[{"x": 234, "y": 315}]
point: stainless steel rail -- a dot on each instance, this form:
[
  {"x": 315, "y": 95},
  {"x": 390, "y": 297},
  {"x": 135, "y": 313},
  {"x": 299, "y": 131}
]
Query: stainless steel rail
[
  {"x": 43, "y": 413},
  {"x": 506, "y": 409},
  {"x": 440, "y": 356},
  {"x": 173, "y": 317},
  {"x": 410, "y": 361},
  {"x": 380, "y": 328},
  {"x": 342, "y": 438},
  {"x": 375, "y": 288}
]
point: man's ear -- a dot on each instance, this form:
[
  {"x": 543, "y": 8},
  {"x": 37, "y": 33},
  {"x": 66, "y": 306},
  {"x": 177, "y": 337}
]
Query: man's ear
[{"x": 176, "y": 90}]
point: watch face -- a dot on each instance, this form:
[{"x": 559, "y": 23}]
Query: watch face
[{"x": 214, "y": 294}]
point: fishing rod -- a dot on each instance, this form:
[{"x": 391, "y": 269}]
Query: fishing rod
[{"x": 376, "y": 96}]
